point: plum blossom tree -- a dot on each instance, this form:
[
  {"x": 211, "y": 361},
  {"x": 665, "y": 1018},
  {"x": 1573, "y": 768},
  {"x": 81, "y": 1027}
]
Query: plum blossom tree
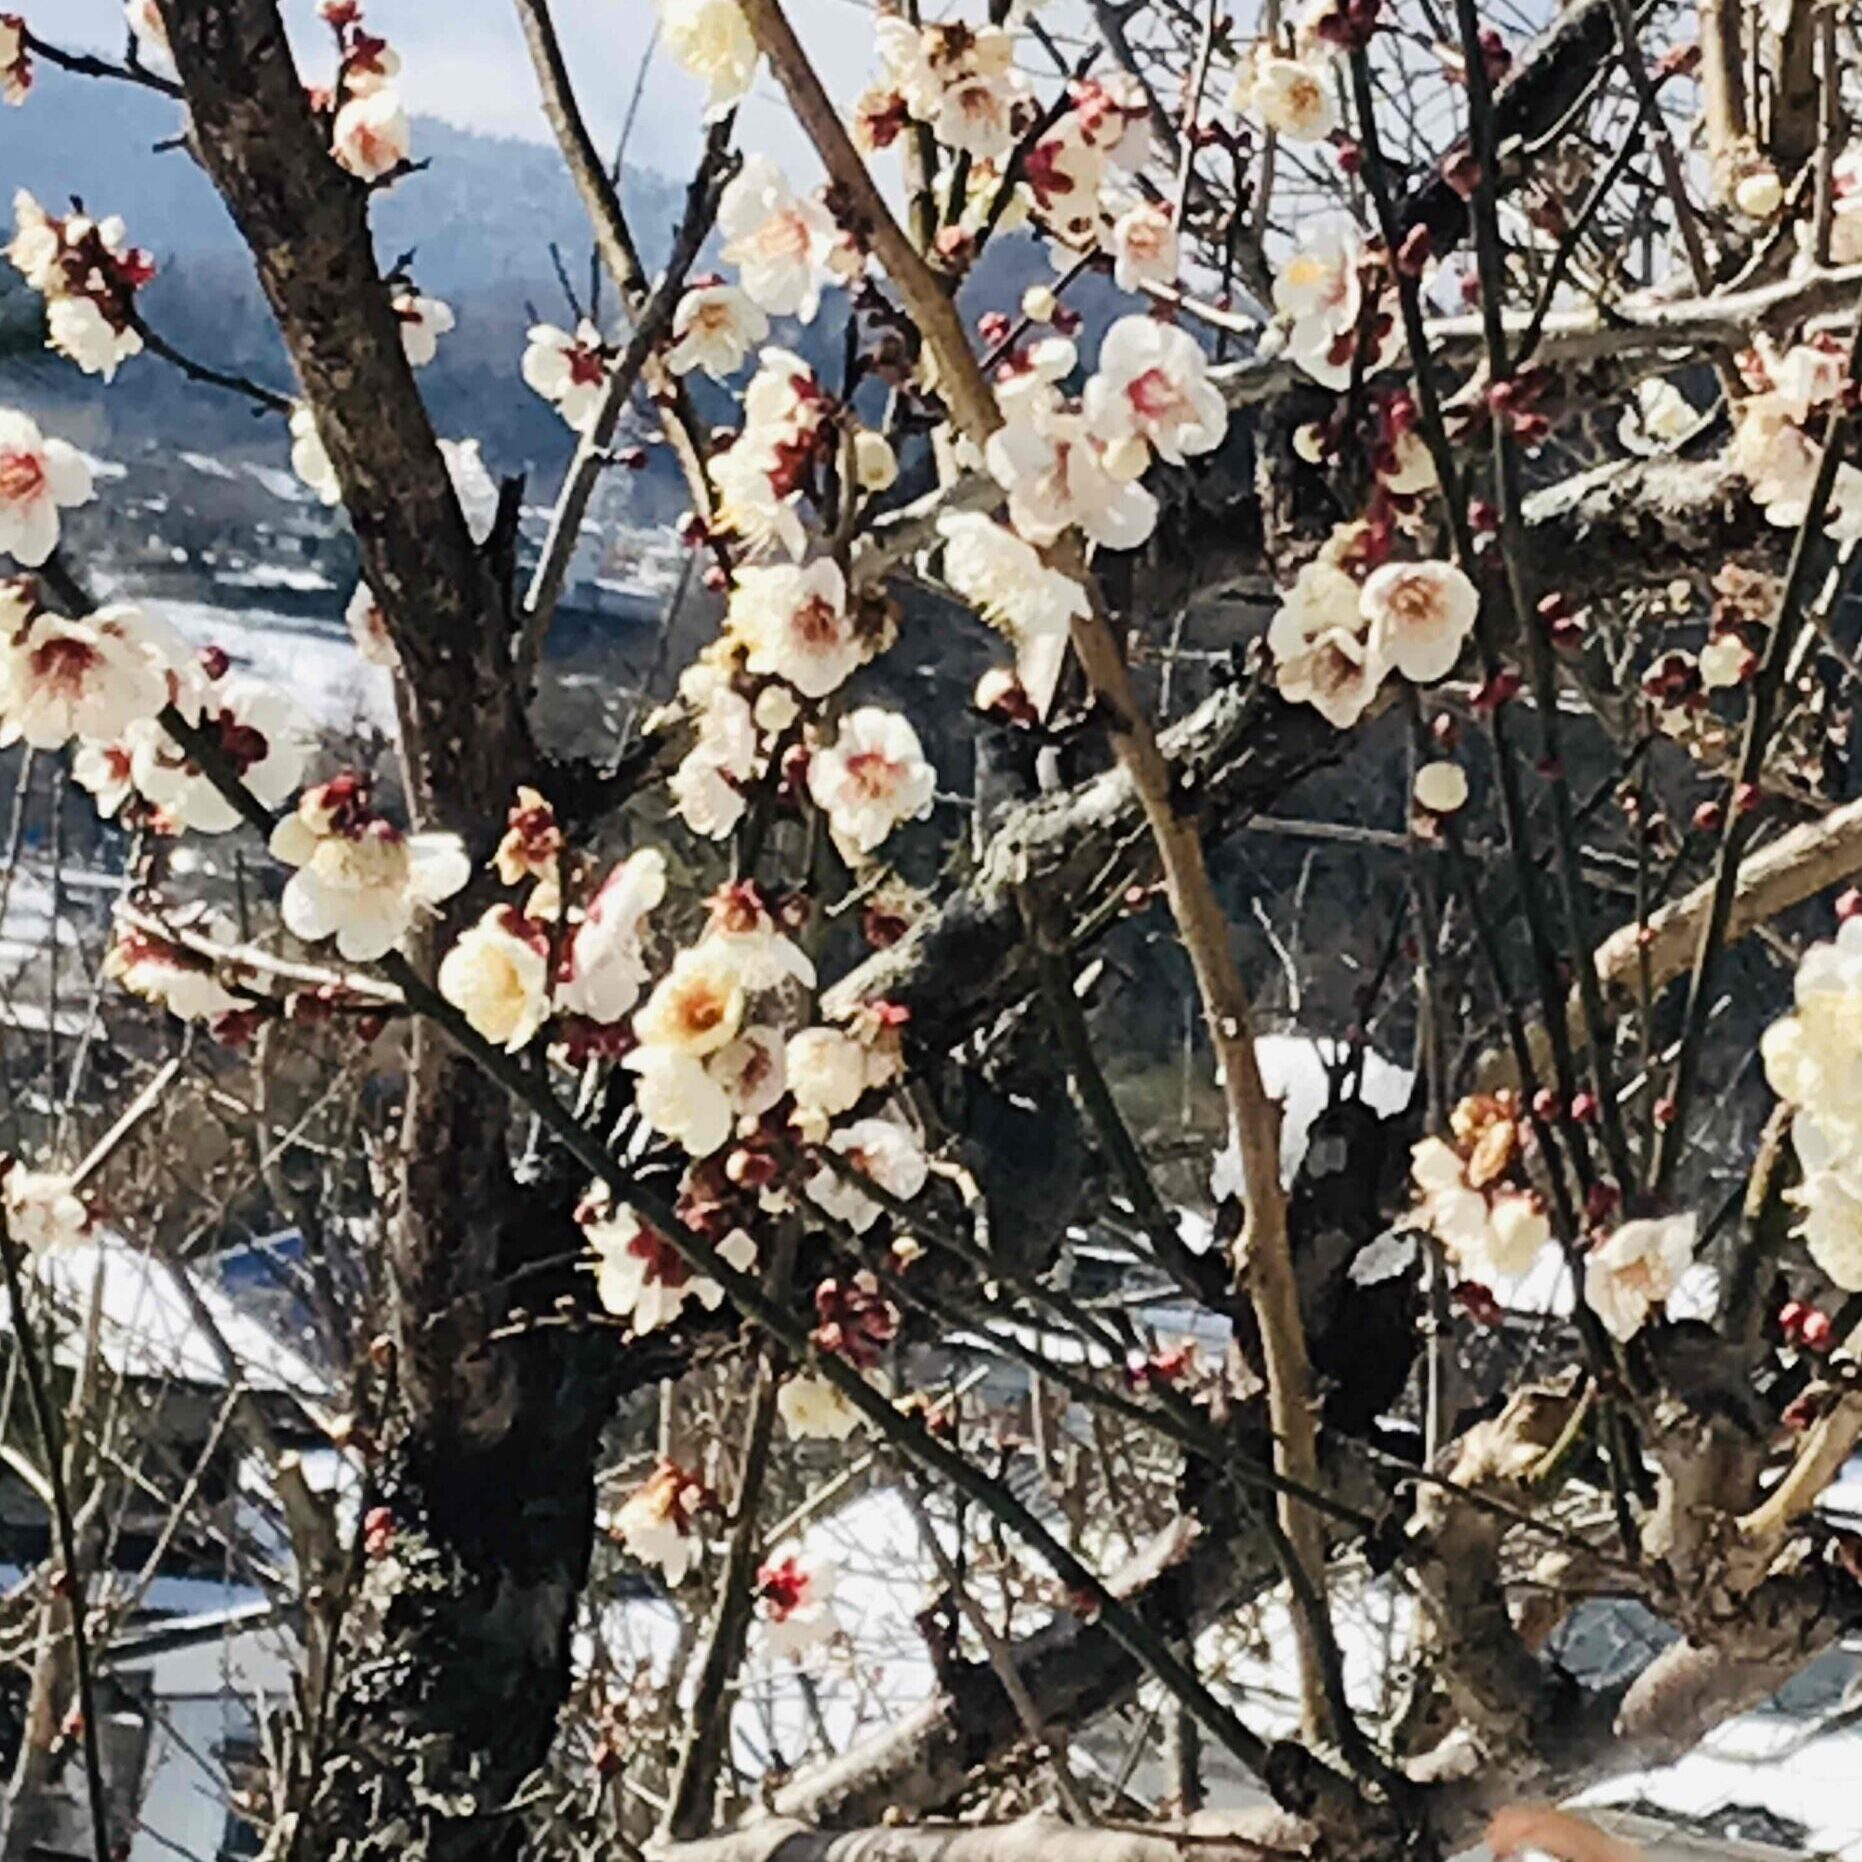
[{"x": 1456, "y": 428}]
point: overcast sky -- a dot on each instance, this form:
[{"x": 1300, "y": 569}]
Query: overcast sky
[{"x": 464, "y": 60}]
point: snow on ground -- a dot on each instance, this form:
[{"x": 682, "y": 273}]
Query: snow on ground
[{"x": 315, "y": 662}]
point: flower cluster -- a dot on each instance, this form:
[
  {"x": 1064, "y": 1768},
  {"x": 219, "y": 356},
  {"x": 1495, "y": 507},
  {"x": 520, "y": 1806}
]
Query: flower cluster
[
  {"x": 761, "y": 475},
  {"x": 89, "y": 274},
  {"x": 1813, "y": 1061},
  {"x": 714, "y": 328},
  {"x": 1472, "y": 1194},
  {"x": 568, "y": 371},
  {"x": 1636, "y": 1270},
  {"x": 958, "y": 79},
  {"x": 43, "y": 1209},
  {"x": 369, "y": 133},
  {"x": 189, "y": 984},
  {"x": 1350, "y": 620},
  {"x": 1319, "y": 296},
  {"x": 1777, "y": 443}
]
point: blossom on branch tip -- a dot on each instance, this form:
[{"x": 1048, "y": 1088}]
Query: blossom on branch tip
[
  {"x": 1152, "y": 384},
  {"x": 423, "y": 321},
  {"x": 15, "y": 60},
  {"x": 793, "y": 623},
  {"x": 658, "y": 1522},
  {"x": 1420, "y": 613},
  {"x": 877, "y": 1149},
  {"x": 1632, "y": 1273},
  {"x": 604, "y": 964},
  {"x": 371, "y": 136},
  {"x": 786, "y": 247}
]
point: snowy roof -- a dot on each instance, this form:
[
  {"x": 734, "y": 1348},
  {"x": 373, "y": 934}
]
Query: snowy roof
[{"x": 151, "y": 1328}]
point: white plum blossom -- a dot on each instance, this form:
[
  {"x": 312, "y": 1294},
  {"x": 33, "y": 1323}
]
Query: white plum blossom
[
  {"x": 359, "y": 879},
  {"x": 1291, "y": 97},
  {"x": 63, "y": 678},
  {"x": 604, "y": 964},
  {"x": 1659, "y": 417},
  {"x": 1637, "y": 1269},
  {"x": 1009, "y": 585},
  {"x": 1420, "y": 613},
  {"x": 658, "y": 1522},
  {"x": 368, "y": 628},
  {"x": 15, "y": 60},
  {"x": 423, "y": 321},
  {"x": 639, "y": 1275},
  {"x": 812, "y": 1409},
  {"x": 371, "y": 136},
  {"x": 875, "y": 1148},
  {"x": 44, "y": 1212},
  {"x": 106, "y": 772},
  {"x": 708, "y": 786},
  {"x": 309, "y": 458},
  {"x": 497, "y": 976},
  {"x": 1320, "y": 639},
  {"x": 827, "y": 1072},
  {"x": 958, "y": 78},
  {"x": 870, "y": 779},
  {"x": 37, "y": 477},
  {"x": 759, "y": 476},
  {"x": 1153, "y": 384},
  {"x": 1489, "y": 1230},
  {"x": 1319, "y": 294},
  {"x": 712, "y": 40},
  {"x": 1056, "y": 476},
  {"x": 698, "y": 1005},
  {"x": 875, "y": 463},
  {"x": 795, "y": 1601},
  {"x": 81, "y": 331},
  {"x": 714, "y": 327},
  {"x": 681, "y": 1098},
  {"x": 1828, "y": 1198},
  {"x": 569, "y": 371},
  {"x": 144, "y": 19},
  {"x": 1144, "y": 247},
  {"x": 785, "y": 247},
  {"x": 793, "y": 623}
]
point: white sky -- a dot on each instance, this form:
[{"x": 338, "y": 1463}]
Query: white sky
[{"x": 464, "y": 61}]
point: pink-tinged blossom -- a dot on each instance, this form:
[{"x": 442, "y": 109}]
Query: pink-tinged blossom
[
  {"x": 37, "y": 477},
  {"x": 681, "y": 1098},
  {"x": 359, "y": 879},
  {"x": 262, "y": 735},
  {"x": 1144, "y": 247},
  {"x": 795, "y": 1602},
  {"x": 793, "y": 623},
  {"x": 62, "y": 678},
  {"x": 1057, "y": 478},
  {"x": 1153, "y": 384},
  {"x": 368, "y": 628},
  {"x": 658, "y": 1522},
  {"x": 708, "y": 786},
  {"x": 786, "y": 247},
  {"x": 743, "y": 929},
  {"x": 697, "y": 1006},
  {"x": 179, "y": 979},
  {"x": 371, "y": 137},
  {"x": 1321, "y": 646},
  {"x": 106, "y": 772},
  {"x": 870, "y": 779},
  {"x": 15, "y": 60},
  {"x": 1420, "y": 614},
  {"x": 1635, "y": 1271},
  {"x": 423, "y": 321}
]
